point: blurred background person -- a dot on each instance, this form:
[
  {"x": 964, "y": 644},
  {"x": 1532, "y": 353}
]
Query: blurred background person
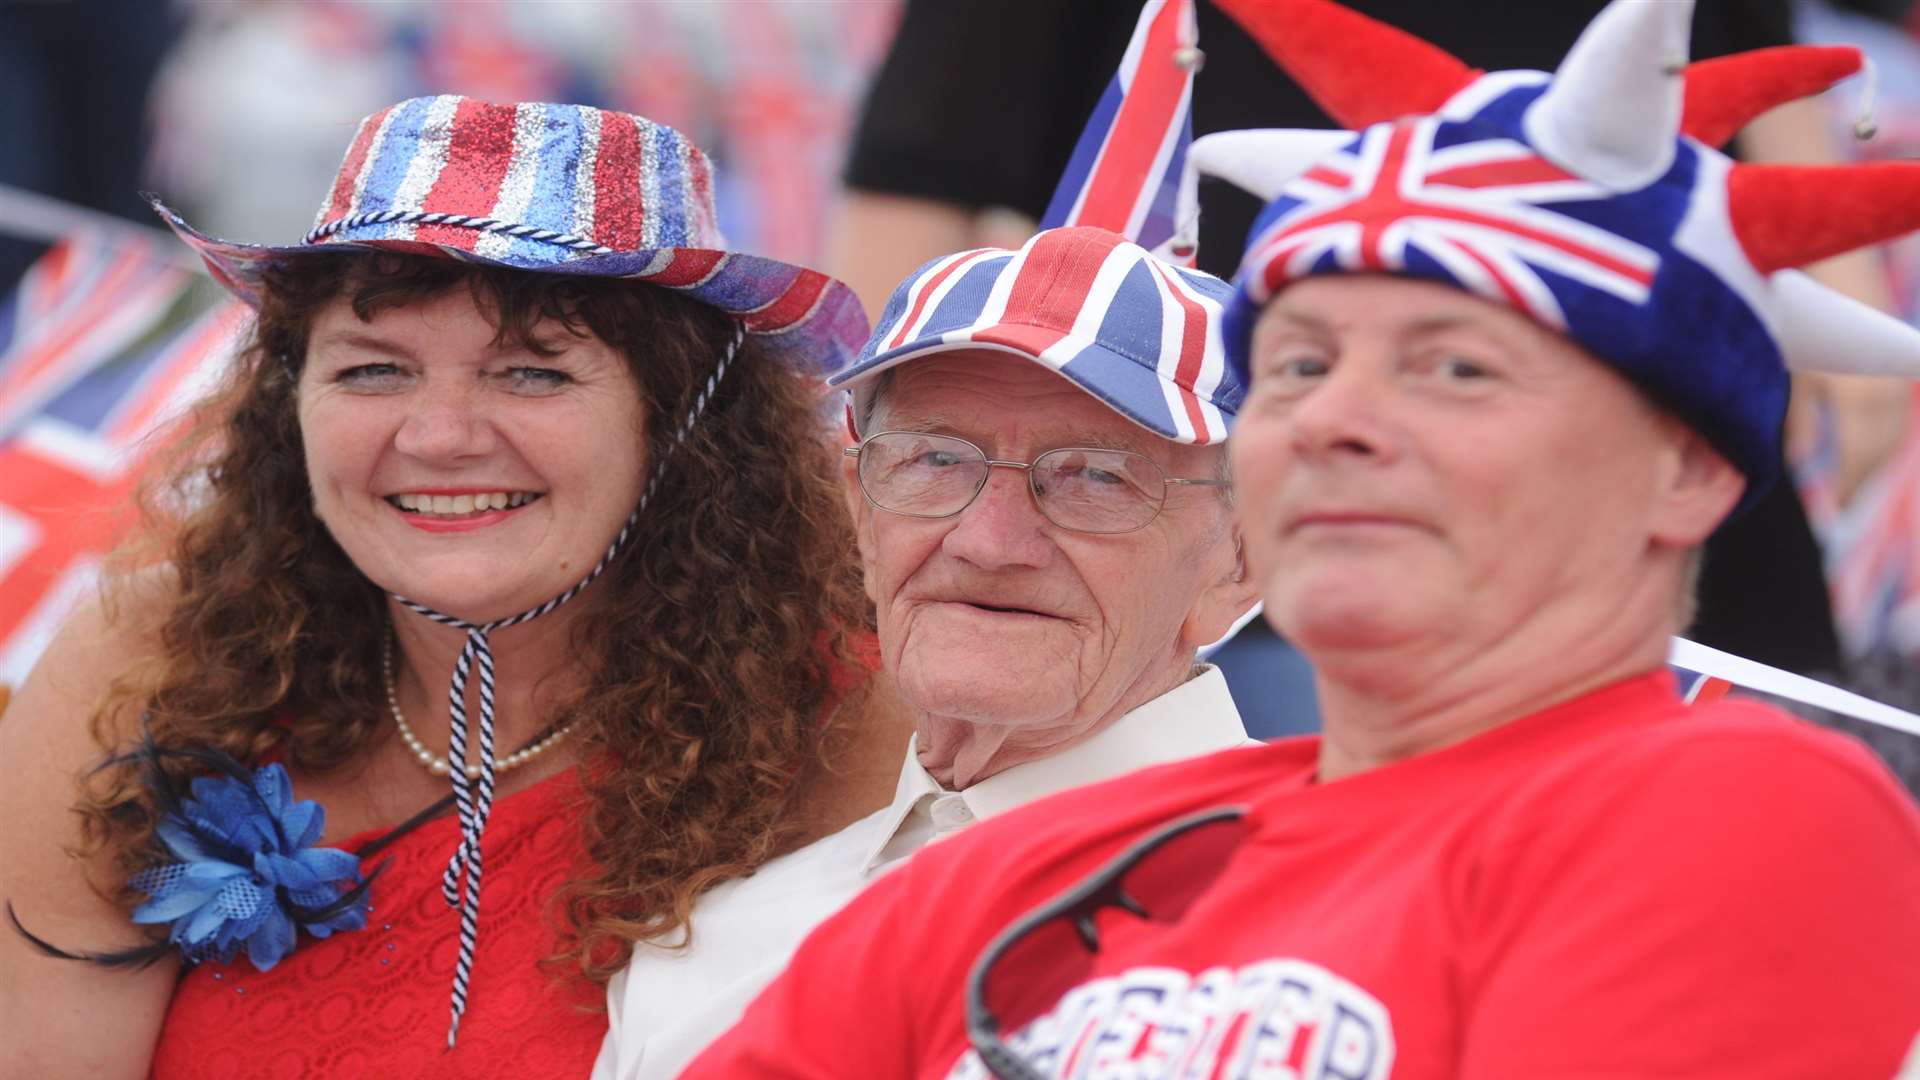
[
  {"x": 768, "y": 88},
  {"x": 1857, "y": 457}
]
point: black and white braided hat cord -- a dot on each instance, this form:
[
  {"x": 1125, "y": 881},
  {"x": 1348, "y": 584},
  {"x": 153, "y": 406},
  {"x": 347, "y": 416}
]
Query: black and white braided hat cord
[
  {"x": 482, "y": 224},
  {"x": 473, "y": 799}
]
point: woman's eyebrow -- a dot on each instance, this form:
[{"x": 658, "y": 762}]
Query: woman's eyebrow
[
  {"x": 361, "y": 340},
  {"x": 367, "y": 341}
]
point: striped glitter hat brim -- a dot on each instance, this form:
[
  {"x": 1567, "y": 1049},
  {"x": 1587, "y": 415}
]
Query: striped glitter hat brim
[{"x": 802, "y": 316}]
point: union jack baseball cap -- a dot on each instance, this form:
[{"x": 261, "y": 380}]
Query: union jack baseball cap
[
  {"x": 1140, "y": 334},
  {"x": 1591, "y": 200},
  {"x": 563, "y": 189}
]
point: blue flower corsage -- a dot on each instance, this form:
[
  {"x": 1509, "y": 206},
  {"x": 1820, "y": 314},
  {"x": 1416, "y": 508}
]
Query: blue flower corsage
[{"x": 249, "y": 875}]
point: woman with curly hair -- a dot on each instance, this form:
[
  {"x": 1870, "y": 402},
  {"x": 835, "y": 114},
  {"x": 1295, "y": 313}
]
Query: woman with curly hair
[{"x": 518, "y": 576}]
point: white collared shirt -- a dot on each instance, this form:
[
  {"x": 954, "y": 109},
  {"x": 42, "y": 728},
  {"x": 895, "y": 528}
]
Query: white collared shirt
[{"x": 667, "y": 1005}]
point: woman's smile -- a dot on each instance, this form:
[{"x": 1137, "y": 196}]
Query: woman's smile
[{"x": 459, "y": 509}]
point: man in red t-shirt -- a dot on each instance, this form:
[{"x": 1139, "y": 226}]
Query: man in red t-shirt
[{"x": 1516, "y": 350}]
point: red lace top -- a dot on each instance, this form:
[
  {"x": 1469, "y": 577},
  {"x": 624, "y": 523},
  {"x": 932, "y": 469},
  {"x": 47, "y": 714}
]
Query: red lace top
[{"x": 373, "y": 1002}]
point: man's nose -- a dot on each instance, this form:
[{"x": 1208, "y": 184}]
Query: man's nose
[
  {"x": 1345, "y": 414},
  {"x": 445, "y": 423},
  {"x": 1002, "y": 526}
]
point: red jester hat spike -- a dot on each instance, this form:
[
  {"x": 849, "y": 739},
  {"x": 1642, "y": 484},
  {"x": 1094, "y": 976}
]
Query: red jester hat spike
[
  {"x": 1363, "y": 71},
  {"x": 1326, "y": 48},
  {"x": 1725, "y": 93}
]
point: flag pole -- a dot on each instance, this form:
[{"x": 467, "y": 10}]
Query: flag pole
[
  {"x": 1752, "y": 675},
  {"x": 1743, "y": 673},
  {"x": 29, "y": 215}
]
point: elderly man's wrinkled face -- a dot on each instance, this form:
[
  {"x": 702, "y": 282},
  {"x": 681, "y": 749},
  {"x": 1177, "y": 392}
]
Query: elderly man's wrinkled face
[
  {"x": 998, "y": 616},
  {"x": 1418, "y": 464}
]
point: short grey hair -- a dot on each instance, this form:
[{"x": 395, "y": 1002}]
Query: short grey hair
[{"x": 867, "y": 405}]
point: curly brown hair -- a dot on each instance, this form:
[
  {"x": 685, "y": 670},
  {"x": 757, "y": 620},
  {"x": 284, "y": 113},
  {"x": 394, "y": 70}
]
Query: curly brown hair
[{"x": 708, "y": 687}]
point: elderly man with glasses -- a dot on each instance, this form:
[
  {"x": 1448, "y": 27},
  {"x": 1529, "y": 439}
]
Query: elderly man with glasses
[
  {"x": 1517, "y": 344},
  {"x": 1047, "y": 530},
  {"x": 1043, "y": 514}
]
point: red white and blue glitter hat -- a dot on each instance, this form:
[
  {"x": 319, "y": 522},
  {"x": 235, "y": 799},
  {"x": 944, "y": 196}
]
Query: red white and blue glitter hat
[
  {"x": 1140, "y": 334},
  {"x": 562, "y": 189},
  {"x": 1591, "y": 200}
]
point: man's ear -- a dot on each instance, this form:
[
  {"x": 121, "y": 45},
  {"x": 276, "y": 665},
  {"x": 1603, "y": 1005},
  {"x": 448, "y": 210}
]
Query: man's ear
[
  {"x": 861, "y": 511},
  {"x": 1697, "y": 488},
  {"x": 1228, "y": 593}
]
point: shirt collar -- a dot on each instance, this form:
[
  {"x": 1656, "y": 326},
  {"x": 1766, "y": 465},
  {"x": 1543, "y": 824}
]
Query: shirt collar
[{"x": 1197, "y": 717}]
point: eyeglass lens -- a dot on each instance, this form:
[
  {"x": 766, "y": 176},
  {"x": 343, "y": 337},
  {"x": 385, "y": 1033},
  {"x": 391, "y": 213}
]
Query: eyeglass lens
[
  {"x": 1051, "y": 950},
  {"x": 1088, "y": 490}
]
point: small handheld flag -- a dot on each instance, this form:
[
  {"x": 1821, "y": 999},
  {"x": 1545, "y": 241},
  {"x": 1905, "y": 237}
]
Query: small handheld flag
[{"x": 1127, "y": 173}]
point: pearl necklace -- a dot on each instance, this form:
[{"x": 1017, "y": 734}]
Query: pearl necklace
[{"x": 440, "y": 766}]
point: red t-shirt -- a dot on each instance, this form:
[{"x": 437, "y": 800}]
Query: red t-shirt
[{"x": 1618, "y": 886}]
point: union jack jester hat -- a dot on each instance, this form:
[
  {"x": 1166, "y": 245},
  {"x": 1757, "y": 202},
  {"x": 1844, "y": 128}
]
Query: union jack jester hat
[
  {"x": 1591, "y": 200},
  {"x": 1140, "y": 334},
  {"x": 562, "y": 189}
]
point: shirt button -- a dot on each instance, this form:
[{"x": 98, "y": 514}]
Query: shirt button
[{"x": 951, "y": 813}]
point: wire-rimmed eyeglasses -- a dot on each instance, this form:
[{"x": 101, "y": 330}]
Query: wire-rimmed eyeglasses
[
  {"x": 1045, "y": 953},
  {"x": 1082, "y": 488}
]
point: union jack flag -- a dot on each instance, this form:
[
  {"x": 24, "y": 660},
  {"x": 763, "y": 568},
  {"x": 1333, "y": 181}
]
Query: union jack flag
[
  {"x": 104, "y": 341},
  {"x": 76, "y": 304},
  {"x": 1127, "y": 170},
  {"x": 1403, "y": 199}
]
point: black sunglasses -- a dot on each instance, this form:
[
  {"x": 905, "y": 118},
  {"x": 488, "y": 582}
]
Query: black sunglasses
[{"x": 1050, "y": 950}]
